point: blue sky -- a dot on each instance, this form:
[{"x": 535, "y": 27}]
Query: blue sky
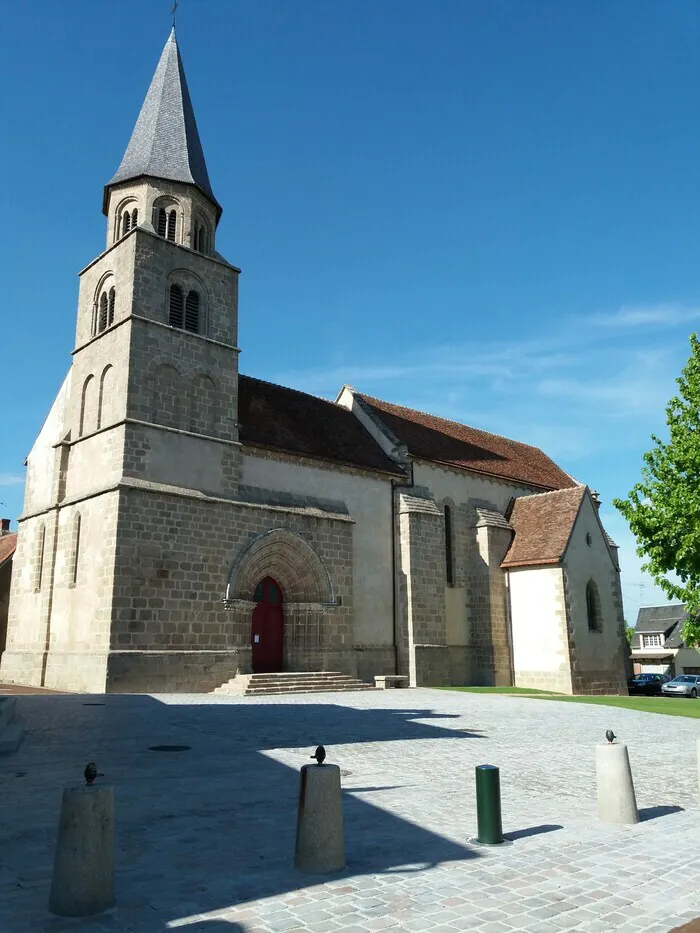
[{"x": 487, "y": 209}]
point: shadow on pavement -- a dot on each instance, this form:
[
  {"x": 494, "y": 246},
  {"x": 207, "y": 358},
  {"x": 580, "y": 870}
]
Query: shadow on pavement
[
  {"x": 532, "y": 831},
  {"x": 651, "y": 813},
  {"x": 213, "y": 827}
]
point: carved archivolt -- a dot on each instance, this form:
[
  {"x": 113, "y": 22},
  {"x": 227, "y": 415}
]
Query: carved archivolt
[{"x": 290, "y": 560}]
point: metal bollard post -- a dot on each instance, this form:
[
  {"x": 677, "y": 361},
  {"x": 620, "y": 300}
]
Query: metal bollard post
[{"x": 488, "y": 805}]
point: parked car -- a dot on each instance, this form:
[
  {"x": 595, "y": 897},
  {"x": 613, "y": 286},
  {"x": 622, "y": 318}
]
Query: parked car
[
  {"x": 648, "y": 684},
  {"x": 684, "y": 685}
]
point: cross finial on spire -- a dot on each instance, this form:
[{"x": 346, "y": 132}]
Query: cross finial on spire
[{"x": 173, "y": 12}]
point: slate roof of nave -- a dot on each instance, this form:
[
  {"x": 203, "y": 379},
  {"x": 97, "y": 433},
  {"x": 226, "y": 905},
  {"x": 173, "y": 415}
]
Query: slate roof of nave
[
  {"x": 279, "y": 418},
  {"x": 543, "y": 524},
  {"x": 165, "y": 141},
  {"x": 428, "y": 437},
  {"x": 8, "y": 545}
]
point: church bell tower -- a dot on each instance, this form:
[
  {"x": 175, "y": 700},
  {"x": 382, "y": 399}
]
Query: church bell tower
[{"x": 142, "y": 440}]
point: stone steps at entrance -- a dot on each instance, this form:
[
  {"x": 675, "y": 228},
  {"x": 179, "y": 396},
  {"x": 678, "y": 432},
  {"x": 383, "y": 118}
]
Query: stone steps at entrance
[{"x": 292, "y": 682}]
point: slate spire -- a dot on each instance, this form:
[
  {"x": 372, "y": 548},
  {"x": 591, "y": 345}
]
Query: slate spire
[{"x": 165, "y": 142}]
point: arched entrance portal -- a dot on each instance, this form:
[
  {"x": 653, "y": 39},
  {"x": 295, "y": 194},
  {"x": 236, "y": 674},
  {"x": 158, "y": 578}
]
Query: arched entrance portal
[{"x": 267, "y": 631}]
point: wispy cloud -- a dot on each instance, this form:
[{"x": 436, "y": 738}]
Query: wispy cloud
[
  {"x": 589, "y": 391},
  {"x": 10, "y": 479},
  {"x": 653, "y": 316}
]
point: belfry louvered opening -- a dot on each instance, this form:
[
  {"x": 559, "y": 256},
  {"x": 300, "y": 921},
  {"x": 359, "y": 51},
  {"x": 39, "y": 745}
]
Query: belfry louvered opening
[
  {"x": 192, "y": 312},
  {"x": 176, "y": 306},
  {"x": 165, "y": 222},
  {"x": 104, "y": 312}
]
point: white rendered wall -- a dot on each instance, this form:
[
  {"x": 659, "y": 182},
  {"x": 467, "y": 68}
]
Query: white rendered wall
[
  {"x": 39, "y": 488},
  {"x": 595, "y": 650},
  {"x": 538, "y": 620}
]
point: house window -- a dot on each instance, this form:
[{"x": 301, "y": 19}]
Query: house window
[
  {"x": 651, "y": 641},
  {"x": 593, "y": 607},
  {"x": 449, "y": 575}
]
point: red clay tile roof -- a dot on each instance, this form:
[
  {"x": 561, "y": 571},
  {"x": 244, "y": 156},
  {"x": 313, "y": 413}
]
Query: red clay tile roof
[
  {"x": 8, "y": 545},
  {"x": 284, "y": 419},
  {"x": 428, "y": 437},
  {"x": 542, "y": 525}
]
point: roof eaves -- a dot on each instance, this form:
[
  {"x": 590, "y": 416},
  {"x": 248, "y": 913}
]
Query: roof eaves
[{"x": 308, "y": 456}]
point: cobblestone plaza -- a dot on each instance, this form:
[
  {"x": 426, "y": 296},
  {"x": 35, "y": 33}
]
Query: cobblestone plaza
[{"x": 205, "y": 836}]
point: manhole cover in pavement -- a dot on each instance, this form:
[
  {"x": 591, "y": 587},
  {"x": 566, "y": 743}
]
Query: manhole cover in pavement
[{"x": 169, "y": 748}]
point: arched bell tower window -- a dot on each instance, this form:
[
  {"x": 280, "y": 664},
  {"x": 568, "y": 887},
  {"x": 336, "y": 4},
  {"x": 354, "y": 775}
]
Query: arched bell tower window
[
  {"x": 200, "y": 240},
  {"x": 126, "y": 221},
  {"x": 192, "y": 312},
  {"x": 176, "y": 318},
  {"x": 104, "y": 312},
  {"x": 105, "y": 306},
  {"x": 166, "y": 223}
]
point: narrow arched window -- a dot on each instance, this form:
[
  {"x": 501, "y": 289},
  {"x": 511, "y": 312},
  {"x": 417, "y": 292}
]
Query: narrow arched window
[
  {"x": 449, "y": 575},
  {"x": 134, "y": 216},
  {"x": 192, "y": 312},
  {"x": 104, "y": 311},
  {"x": 40, "y": 558},
  {"x": 76, "y": 550},
  {"x": 161, "y": 222},
  {"x": 126, "y": 223},
  {"x": 110, "y": 306},
  {"x": 176, "y": 306},
  {"x": 593, "y": 607},
  {"x": 172, "y": 219}
]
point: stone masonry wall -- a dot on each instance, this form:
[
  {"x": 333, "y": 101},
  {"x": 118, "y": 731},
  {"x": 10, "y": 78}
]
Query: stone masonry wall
[
  {"x": 422, "y": 561},
  {"x": 170, "y": 629}
]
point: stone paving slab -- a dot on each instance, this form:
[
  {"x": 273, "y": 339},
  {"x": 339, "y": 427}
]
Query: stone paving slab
[{"x": 206, "y": 837}]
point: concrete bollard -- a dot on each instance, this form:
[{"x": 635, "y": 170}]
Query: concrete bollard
[
  {"x": 616, "y": 799},
  {"x": 83, "y": 872},
  {"x": 320, "y": 847}
]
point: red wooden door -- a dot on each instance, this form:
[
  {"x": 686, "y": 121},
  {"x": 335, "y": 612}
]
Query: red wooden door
[{"x": 267, "y": 632}]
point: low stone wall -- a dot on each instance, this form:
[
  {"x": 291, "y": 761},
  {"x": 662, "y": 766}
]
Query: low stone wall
[
  {"x": 170, "y": 671},
  {"x": 599, "y": 683},
  {"x": 432, "y": 666},
  {"x": 556, "y": 681}
]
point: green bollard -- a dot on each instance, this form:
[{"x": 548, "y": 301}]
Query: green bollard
[{"x": 488, "y": 805}]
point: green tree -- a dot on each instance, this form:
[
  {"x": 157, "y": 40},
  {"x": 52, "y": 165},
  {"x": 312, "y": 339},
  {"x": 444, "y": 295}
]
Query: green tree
[
  {"x": 629, "y": 633},
  {"x": 663, "y": 510}
]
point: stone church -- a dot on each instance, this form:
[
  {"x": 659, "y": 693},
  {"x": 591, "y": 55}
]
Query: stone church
[{"x": 184, "y": 524}]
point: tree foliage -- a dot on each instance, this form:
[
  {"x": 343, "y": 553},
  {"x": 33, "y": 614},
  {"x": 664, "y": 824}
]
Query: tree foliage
[{"x": 663, "y": 510}]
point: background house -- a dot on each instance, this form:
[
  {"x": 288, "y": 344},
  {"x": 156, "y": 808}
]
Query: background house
[
  {"x": 8, "y": 544},
  {"x": 657, "y": 646}
]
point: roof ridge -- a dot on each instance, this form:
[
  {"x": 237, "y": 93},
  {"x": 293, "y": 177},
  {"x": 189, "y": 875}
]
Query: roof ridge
[
  {"x": 552, "y": 492},
  {"x": 278, "y": 385},
  {"x": 460, "y": 424}
]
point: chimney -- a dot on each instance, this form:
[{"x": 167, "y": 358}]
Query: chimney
[
  {"x": 595, "y": 495},
  {"x": 4, "y": 526}
]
